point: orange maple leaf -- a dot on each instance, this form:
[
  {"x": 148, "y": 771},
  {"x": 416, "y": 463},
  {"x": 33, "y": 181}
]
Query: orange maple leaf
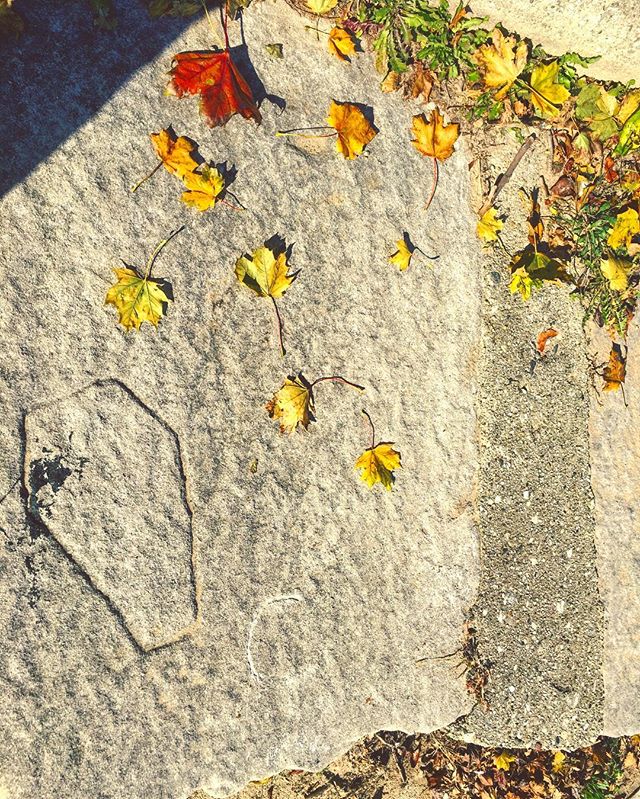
[{"x": 215, "y": 77}]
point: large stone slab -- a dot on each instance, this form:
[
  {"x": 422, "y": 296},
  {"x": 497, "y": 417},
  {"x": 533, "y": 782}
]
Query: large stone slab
[
  {"x": 615, "y": 476},
  {"x": 314, "y": 609}
]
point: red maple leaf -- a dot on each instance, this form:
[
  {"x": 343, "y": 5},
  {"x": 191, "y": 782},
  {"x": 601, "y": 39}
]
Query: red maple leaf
[{"x": 214, "y": 76}]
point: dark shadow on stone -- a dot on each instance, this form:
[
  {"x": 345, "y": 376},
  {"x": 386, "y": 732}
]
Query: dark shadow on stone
[{"x": 62, "y": 71}]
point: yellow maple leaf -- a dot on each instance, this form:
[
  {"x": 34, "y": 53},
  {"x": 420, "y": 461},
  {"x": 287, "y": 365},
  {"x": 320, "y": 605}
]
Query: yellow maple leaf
[
  {"x": 265, "y": 273},
  {"x": 432, "y": 137},
  {"x": 353, "y": 128},
  {"x": 377, "y": 464},
  {"x": 504, "y": 760},
  {"x": 175, "y": 154},
  {"x": 341, "y": 43},
  {"x": 489, "y": 225},
  {"x": 547, "y": 95},
  {"x": 402, "y": 256},
  {"x": 521, "y": 282},
  {"x": 136, "y": 299},
  {"x": 558, "y": 761},
  {"x": 293, "y": 404},
  {"x": 616, "y": 270},
  {"x": 501, "y": 61},
  {"x": 203, "y": 188},
  {"x": 321, "y": 7},
  {"x": 626, "y": 226}
]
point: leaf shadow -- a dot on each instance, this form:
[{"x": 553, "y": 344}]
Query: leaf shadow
[{"x": 62, "y": 71}]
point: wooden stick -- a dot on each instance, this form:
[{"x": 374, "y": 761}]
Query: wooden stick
[{"x": 506, "y": 177}]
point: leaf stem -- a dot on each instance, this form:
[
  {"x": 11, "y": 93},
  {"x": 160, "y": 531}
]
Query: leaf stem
[
  {"x": 337, "y": 379},
  {"x": 299, "y": 132},
  {"x": 373, "y": 430},
  {"x": 157, "y": 250},
  {"x": 225, "y": 21},
  {"x": 280, "y": 325},
  {"x": 231, "y": 205},
  {"x": 146, "y": 177},
  {"x": 313, "y": 28},
  {"x": 435, "y": 184}
]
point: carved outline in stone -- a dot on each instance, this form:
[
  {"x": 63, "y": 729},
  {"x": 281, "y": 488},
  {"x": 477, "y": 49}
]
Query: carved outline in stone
[{"x": 42, "y": 527}]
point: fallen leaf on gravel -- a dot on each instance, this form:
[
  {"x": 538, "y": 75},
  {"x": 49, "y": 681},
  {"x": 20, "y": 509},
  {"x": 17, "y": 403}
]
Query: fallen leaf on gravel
[
  {"x": 433, "y": 137},
  {"x": 353, "y": 128},
  {"x": 616, "y": 270},
  {"x": 136, "y": 299},
  {"x": 529, "y": 268},
  {"x": 321, "y": 7},
  {"x": 626, "y": 226},
  {"x": 501, "y": 62},
  {"x": 504, "y": 760},
  {"x": 402, "y": 256},
  {"x": 264, "y": 273},
  {"x": 175, "y": 153},
  {"x": 292, "y": 404},
  {"x": 342, "y": 43},
  {"x": 543, "y": 338},
  {"x": 489, "y": 225},
  {"x": 615, "y": 371},
  {"x": 216, "y": 78},
  {"x": 203, "y": 188},
  {"x": 547, "y": 94},
  {"x": 377, "y": 464}
]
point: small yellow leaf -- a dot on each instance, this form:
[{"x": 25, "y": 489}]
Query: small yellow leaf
[
  {"x": 292, "y": 404},
  {"x": 265, "y": 273},
  {"x": 501, "y": 62},
  {"x": 504, "y": 760},
  {"x": 521, "y": 282},
  {"x": 626, "y": 226},
  {"x": 558, "y": 761},
  {"x": 342, "y": 43},
  {"x": 202, "y": 188},
  {"x": 175, "y": 154},
  {"x": 136, "y": 299},
  {"x": 321, "y": 7},
  {"x": 432, "y": 137},
  {"x": 548, "y": 95},
  {"x": 354, "y": 129},
  {"x": 377, "y": 464},
  {"x": 616, "y": 270},
  {"x": 402, "y": 256},
  {"x": 489, "y": 225}
]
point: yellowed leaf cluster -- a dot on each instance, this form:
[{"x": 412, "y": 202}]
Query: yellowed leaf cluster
[{"x": 203, "y": 186}]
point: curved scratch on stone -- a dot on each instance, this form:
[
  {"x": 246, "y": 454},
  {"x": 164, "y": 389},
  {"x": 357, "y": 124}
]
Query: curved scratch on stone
[
  {"x": 272, "y": 600},
  {"x": 184, "y": 485}
]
